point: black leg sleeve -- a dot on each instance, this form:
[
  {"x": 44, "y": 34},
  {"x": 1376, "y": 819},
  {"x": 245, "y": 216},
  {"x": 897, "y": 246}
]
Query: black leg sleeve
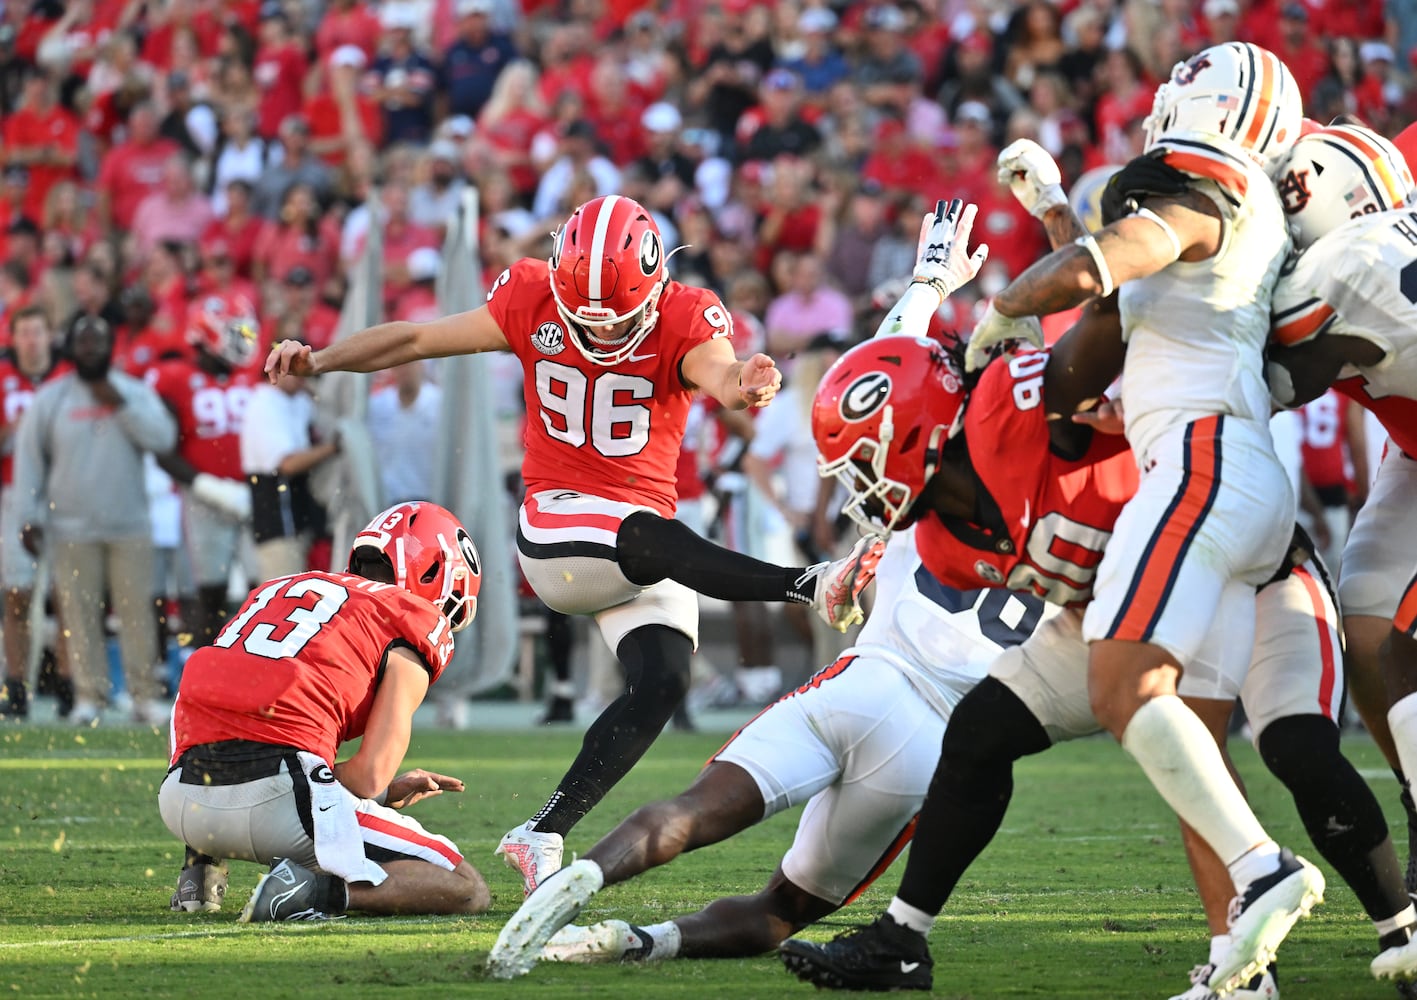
[
  {"x": 651, "y": 548},
  {"x": 656, "y": 661},
  {"x": 1339, "y": 810},
  {"x": 969, "y": 794}
]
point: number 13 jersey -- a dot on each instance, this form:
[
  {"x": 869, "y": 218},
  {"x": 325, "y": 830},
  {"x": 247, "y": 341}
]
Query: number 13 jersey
[
  {"x": 300, "y": 663},
  {"x": 611, "y": 432}
]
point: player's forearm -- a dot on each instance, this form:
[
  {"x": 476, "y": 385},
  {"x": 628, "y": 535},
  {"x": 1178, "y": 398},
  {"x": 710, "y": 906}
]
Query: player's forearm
[
  {"x": 728, "y": 390},
  {"x": 1062, "y": 225},
  {"x": 1062, "y": 280},
  {"x": 375, "y": 349}
]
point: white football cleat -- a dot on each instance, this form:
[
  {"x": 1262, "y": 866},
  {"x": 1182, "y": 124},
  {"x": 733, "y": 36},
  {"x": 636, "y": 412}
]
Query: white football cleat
[
  {"x": 1398, "y": 963},
  {"x": 544, "y": 913},
  {"x": 1265, "y": 986},
  {"x": 607, "y": 941},
  {"x": 536, "y": 855},
  {"x": 840, "y": 583},
  {"x": 1262, "y": 917}
]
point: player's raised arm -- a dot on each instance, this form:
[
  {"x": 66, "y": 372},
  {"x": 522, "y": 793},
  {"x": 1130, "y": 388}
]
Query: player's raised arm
[
  {"x": 944, "y": 264},
  {"x": 391, "y": 344}
]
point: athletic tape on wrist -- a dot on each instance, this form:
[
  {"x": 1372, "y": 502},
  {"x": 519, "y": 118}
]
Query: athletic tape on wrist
[{"x": 1104, "y": 274}]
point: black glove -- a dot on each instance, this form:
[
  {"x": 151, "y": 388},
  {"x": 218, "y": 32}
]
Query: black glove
[{"x": 1147, "y": 175}]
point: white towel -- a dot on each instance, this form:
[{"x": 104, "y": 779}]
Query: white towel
[{"x": 339, "y": 844}]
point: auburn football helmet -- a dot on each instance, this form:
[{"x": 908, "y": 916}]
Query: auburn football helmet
[
  {"x": 881, "y": 417},
  {"x": 224, "y": 326},
  {"x": 1338, "y": 173},
  {"x": 431, "y": 554},
  {"x": 1236, "y": 90},
  {"x": 607, "y": 267}
]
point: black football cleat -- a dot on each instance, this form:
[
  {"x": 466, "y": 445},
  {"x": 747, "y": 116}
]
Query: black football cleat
[{"x": 878, "y": 957}]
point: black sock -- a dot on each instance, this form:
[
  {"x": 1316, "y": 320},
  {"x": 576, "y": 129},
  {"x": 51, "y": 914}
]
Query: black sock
[
  {"x": 16, "y": 695},
  {"x": 656, "y": 661},
  {"x": 1339, "y": 810},
  {"x": 560, "y": 636},
  {"x": 970, "y": 792},
  {"x": 651, "y": 548}
]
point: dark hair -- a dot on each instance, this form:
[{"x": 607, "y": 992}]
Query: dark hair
[
  {"x": 17, "y": 272},
  {"x": 28, "y": 312}
]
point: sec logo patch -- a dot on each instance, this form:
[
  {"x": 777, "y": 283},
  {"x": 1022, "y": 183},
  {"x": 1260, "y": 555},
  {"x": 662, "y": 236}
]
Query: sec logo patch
[{"x": 549, "y": 338}]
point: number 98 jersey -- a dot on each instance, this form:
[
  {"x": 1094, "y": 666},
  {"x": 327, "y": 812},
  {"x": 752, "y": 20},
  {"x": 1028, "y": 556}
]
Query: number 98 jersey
[
  {"x": 1043, "y": 520},
  {"x": 299, "y": 664},
  {"x": 612, "y": 432}
]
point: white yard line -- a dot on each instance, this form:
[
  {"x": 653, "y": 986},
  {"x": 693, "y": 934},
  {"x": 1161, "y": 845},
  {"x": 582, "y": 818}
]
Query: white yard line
[{"x": 221, "y": 930}]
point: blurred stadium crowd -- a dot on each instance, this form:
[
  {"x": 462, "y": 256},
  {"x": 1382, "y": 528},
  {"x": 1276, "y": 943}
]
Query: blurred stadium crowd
[{"x": 158, "y": 152}]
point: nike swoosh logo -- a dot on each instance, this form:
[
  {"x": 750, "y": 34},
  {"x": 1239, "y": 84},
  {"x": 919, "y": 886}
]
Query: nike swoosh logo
[
  {"x": 641, "y": 357},
  {"x": 326, "y": 808},
  {"x": 909, "y": 967}
]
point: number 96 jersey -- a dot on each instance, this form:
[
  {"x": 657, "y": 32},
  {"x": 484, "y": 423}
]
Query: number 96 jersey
[
  {"x": 299, "y": 664},
  {"x": 1042, "y": 520},
  {"x": 612, "y": 432}
]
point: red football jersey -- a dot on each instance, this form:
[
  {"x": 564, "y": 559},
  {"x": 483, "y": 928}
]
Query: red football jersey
[
  {"x": 1324, "y": 447},
  {"x": 300, "y": 662},
  {"x": 209, "y": 411},
  {"x": 16, "y": 393},
  {"x": 1046, "y": 519},
  {"x": 610, "y": 432}
]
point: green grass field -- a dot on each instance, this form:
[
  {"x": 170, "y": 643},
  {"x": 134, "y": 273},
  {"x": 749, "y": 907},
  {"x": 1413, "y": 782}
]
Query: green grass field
[{"x": 1084, "y": 894}]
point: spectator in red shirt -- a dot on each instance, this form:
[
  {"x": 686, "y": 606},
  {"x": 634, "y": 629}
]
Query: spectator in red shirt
[
  {"x": 1295, "y": 44},
  {"x": 302, "y": 306},
  {"x": 614, "y": 107},
  {"x": 899, "y": 163},
  {"x": 177, "y": 211},
  {"x": 509, "y": 120},
  {"x": 975, "y": 153},
  {"x": 297, "y": 239},
  {"x": 347, "y": 22},
  {"x": 1126, "y": 95},
  {"x": 239, "y": 228},
  {"x": 42, "y": 136},
  {"x": 70, "y": 220},
  {"x": 218, "y": 272},
  {"x": 199, "y": 20},
  {"x": 340, "y": 115},
  {"x": 792, "y": 213},
  {"x": 401, "y": 238},
  {"x": 133, "y": 169},
  {"x": 279, "y": 72},
  {"x": 1347, "y": 88}
]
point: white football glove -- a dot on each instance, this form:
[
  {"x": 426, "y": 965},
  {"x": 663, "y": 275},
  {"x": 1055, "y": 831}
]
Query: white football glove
[
  {"x": 993, "y": 329},
  {"x": 1032, "y": 176},
  {"x": 230, "y": 496},
  {"x": 945, "y": 263}
]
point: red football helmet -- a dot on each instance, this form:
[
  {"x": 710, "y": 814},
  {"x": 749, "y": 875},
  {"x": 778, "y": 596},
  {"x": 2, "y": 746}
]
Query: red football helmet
[
  {"x": 881, "y": 417},
  {"x": 607, "y": 266},
  {"x": 225, "y": 326},
  {"x": 432, "y": 556}
]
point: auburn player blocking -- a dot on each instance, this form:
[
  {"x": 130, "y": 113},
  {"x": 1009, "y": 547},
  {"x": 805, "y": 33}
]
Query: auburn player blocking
[
  {"x": 612, "y": 351},
  {"x": 30, "y": 365},
  {"x": 208, "y": 395},
  {"x": 310, "y": 661}
]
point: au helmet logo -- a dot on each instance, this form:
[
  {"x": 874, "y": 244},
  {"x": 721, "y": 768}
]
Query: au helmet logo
[
  {"x": 1293, "y": 190},
  {"x": 549, "y": 338},
  {"x": 650, "y": 252},
  {"x": 865, "y": 396}
]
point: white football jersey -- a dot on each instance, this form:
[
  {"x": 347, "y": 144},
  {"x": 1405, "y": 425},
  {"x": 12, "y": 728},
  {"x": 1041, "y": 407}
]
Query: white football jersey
[
  {"x": 1196, "y": 331},
  {"x": 1360, "y": 280},
  {"x": 936, "y": 635}
]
